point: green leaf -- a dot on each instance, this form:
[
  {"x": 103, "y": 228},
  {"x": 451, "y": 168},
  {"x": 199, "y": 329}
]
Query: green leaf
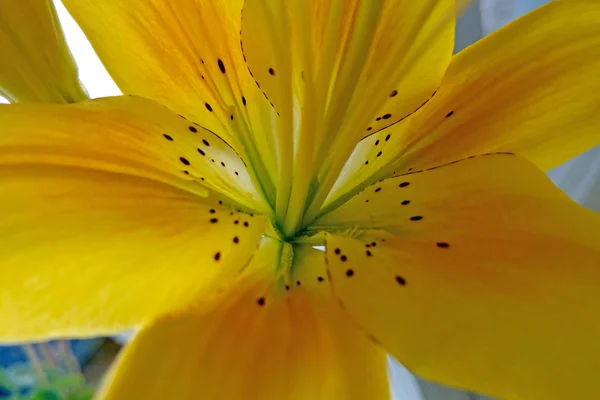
[{"x": 45, "y": 394}]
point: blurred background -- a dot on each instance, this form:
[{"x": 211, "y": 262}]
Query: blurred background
[{"x": 69, "y": 370}]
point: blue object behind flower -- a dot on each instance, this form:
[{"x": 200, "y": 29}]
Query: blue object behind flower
[{"x": 83, "y": 350}]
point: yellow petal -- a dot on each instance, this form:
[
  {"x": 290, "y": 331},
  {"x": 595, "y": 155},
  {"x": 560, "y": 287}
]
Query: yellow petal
[
  {"x": 480, "y": 274},
  {"x": 36, "y": 66},
  {"x": 87, "y": 252},
  {"x": 258, "y": 341},
  {"x": 336, "y": 71},
  {"x": 127, "y": 135},
  {"x": 185, "y": 54},
  {"x": 367, "y": 164},
  {"x": 530, "y": 88},
  {"x": 353, "y": 55}
]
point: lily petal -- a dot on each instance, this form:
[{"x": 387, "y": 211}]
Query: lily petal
[
  {"x": 367, "y": 164},
  {"x": 258, "y": 341},
  {"x": 128, "y": 135},
  {"x": 337, "y": 70},
  {"x": 531, "y": 88},
  {"x": 352, "y": 55},
  {"x": 185, "y": 54},
  {"x": 480, "y": 274},
  {"x": 87, "y": 252},
  {"x": 36, "y": 66}
]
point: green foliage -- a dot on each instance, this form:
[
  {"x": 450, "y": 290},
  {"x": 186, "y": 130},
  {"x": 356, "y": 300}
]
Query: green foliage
[{"x": 23, "y": 382}]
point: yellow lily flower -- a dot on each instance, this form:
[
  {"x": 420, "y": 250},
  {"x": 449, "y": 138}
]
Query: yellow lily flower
[{"x": 252, "y": 131}]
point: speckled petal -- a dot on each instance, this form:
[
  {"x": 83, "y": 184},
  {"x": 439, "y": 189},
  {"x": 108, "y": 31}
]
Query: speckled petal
[
  {"x": 128, "y": 135},
  {"x": 185, "y": 54},
  {"x": 107, "y": 220},
  {"x": 335, "y": 71},
  {"x": 479, "y": 274},
  {"x": 531, "y": 88},
  {"x": 90, "y": 253},
  {"x": 258, "y": 341}
]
